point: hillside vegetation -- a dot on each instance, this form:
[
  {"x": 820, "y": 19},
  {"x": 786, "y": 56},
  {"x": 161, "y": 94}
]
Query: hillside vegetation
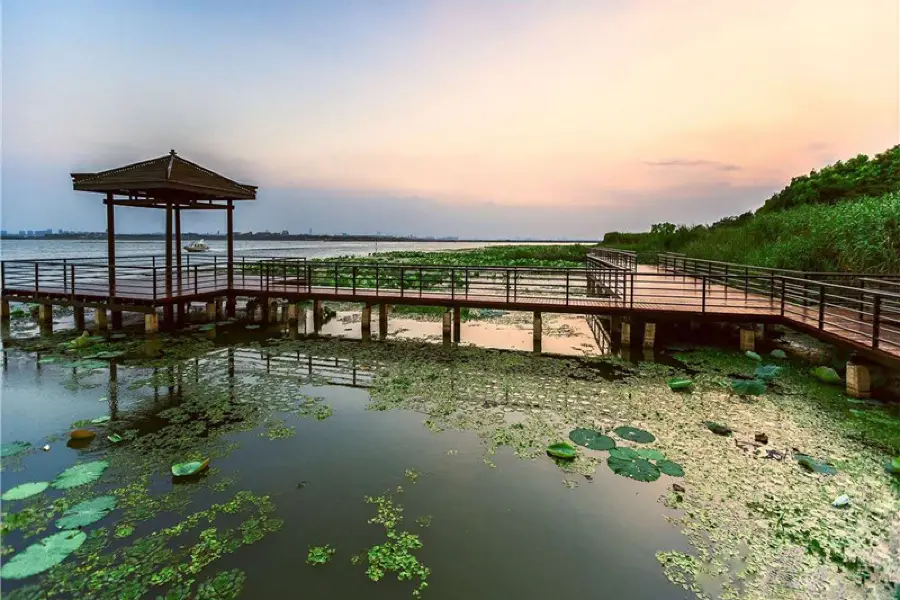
[{"x": 844, "y": 217}]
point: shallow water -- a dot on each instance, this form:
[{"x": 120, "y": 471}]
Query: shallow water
[{"x": 511, "y": 530}]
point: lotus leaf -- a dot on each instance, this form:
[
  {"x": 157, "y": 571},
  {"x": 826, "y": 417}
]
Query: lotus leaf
[
  {"x": 592, "y": 439},
  {"x": 826, "y": 375},
  {"x": 753, "y": 355},
  {"x": 561, "y": 450},
  {"x": 111, "y": 354},
  {"x": 718, "y": 428},
  {"x": 624, "y": 453},
  {"x": 680, "y": 383},
  {"x": 115, "y": 438},
  {"x": 13, "y": 448},
  {"x": 189, "y": 468},
  {"x": 748, "y": 387},
  {"x": 638, "y": 469},
  {"x": 634, "y": 434},
  {"x": 207, "y": 327},
  {"x": 40, "y": 556},
  {"x": 777, "y": 353},
  {"x": 893, "y": 466},
  {"x": 80, "y": 475},
  {"x": 767, "y": 372},
  {"x": 841, "y": 501},
  {"x": 25, "y": 490},
  {"x": 100, "y": 420},
  {"x": 650, "y": 454},
  {"x": 251, "y": 327},
  {"x": 813, "y": 465},
  {"x": 82, "y": 434},
  {"x": 672, "y": 469},
  {"x": 87, "y": 512}
]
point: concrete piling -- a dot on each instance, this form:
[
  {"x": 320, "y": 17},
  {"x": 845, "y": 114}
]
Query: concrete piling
[
  {"x": 748, "y": 339},
  {"x": 537, "y": 332},
  {"x": 151, "y": 322},
  {"x": 79, "y": 318},
  {"x": 858, "y": 382},
  {"x": 366, "y": 323},
  {"x": 383, "y": 321},
  {"x": 649, "y": 336},
  {"x": 100, "y": 319},
  {"x": 446, "y": 327}
]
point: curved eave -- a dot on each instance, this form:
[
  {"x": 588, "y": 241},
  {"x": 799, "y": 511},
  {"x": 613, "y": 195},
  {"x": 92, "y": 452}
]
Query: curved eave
[{"x": 162, "y": 188}]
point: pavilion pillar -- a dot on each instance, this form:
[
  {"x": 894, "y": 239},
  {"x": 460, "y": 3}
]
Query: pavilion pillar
[
  {"x": 231, "y": 307},
  {"x": 178, "y": 246},
  {"x": 169, "y": 310},
  {"x": 111, "y": 258}
]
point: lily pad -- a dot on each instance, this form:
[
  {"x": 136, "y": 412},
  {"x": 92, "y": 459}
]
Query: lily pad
[
  {"x": 753, "y": 355},
  {"x": 25, "y": 490},
  {"x": 592, "y": 439},
  {"x": 650, "y": 454},
  {"x": 80, "y": 475},
  {"x": 813, "y": 465},
  {"x": 13, "y": 448},
  {"x": 718, "y": 428},
  {"x": 767, "y": 372},
  {"x": 100, "y": 420},
  {"x": 680, "y": 383},
  {"x": 633, "y": 434},
  {"x": 624, "y": 453},
  {"x": 87, "y": 512},
  {"x": 40, "y": 556},
  {"x": 207, "y": 327},
  {"x": 638, "y": 469},
  {"x": 251, "y": 327},
  {"x": 778, "y": 353},
  {"x": 748, "y": 387},
  {"x": 189, "y": 468},
  {"x": 561, "y": 450},
  {"x": 82, "y": 434},
  {"x": 672, "y": 469},
  {"x": 115, "y": 438},
  {"x": 827, "y": 375},
  {"x": 111, "y": 354},
  {"x": 893, "y": 466}
]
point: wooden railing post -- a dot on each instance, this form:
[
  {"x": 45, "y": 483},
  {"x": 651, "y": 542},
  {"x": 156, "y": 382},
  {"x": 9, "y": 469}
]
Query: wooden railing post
[
  {"x": 467, "y": 282},
  {"x": 821, "y": 306},
  {"x": 308, "y": 278},
  {"x": 354, "y": 280},
  {"x": 72, "y": 278},
  {"x": 402, "y": 277},
  {"x": 782, "y": 296},
  {"x": 421, "y": 282},
  {"x": 377, "y": 279},
  {"x": 335, "y": 278},
  {"x": 452, "y": 284},
  {"x": 196, "y": 279},
  {"x": 703, "y": 294},
  {"x": 876, "y": 321},
  {"x": 507, "y": 286},
  {"x": 567, "y": 287},
  {"x": 37, "y": 286}
]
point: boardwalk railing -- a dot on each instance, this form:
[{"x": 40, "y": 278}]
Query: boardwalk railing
[
  {"x": 865, "y": 316},
  {"x": 609, "y": 257}
]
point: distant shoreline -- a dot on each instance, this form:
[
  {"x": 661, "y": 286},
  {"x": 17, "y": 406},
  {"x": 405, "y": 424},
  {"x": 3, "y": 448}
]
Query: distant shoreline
[{"x": 100, "y": 236}]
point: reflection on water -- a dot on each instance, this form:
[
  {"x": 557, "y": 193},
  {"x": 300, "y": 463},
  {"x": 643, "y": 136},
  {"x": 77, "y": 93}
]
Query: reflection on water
[{"x": 510, "y": 530}]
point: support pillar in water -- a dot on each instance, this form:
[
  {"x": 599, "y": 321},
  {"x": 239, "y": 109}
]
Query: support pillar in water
[
  {"x": 318, "y": 315},
  {"x": 79, "y": 318},
  {"x": 212, "y": 310},
  {"x": 366, "y": 323},
  {"x": 151, "y": 322},
  {"x": 116, "y": 319},
  {"x": 858, "y": 383},
  {"x": 649, "y": 336},
  {"x": 383, "y": 321},
  {"x": 769, "y": 331},
  {"x": 748, "y": 339},
  {"x": 457, "y": 324},
  {"x": 626, "y": 334},
  {"x": 293, "y": 312},
  {"x": 446, "y": 327},
  {"x": 100, "y": 319},
  {"x": 4, "y": 310},
  {"x": 45, "y": 314},
  {"x": 537, "y": 331}
]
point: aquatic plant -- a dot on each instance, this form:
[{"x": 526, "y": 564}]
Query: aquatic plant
[
  {"x": 39, "y": 557},
  {"x": 412, "y": 475},
  {"x": 319, "y": 555},
  {"x": 396, "y": 554},
  {"x": 87, "y": 512},
  {"x": 778, "y": 353},
  {"x": 638, "y": 469},
  {"x": 25, "y": 490},
  {"x": 13, "y": 448},
  {"x": 672, "y": 469},
  {"x": 814, "y": 465},
  {"x": 718, "y": 428},
  {"x": 680, "y": 383},
  {"x": 187, "y": 469},
  {"x": 748, "y": 387},
  {"x": 561, "y": 450},
  {"x": 226, "y": 585},
  {"x": 767, "y": 372},
  {"x": 827, "y": 375},
  {"x": 591, "y": 439},
  {"x": 78, "y": 475},
  {"x": 633, "y": 434}
]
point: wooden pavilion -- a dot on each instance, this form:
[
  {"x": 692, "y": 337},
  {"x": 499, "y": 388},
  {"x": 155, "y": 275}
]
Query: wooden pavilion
[{"x": 173, "y": 184}]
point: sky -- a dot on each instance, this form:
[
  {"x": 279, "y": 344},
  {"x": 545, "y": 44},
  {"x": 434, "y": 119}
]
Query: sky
[{"x": 469, "y": 118}]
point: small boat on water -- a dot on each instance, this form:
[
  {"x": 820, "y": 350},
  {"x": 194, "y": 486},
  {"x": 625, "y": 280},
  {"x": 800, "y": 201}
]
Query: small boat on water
[{"x": 198, "y": 246}]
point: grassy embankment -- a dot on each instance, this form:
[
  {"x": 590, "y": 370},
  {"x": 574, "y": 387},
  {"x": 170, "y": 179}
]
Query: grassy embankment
[{"x": 845, "y": 217}]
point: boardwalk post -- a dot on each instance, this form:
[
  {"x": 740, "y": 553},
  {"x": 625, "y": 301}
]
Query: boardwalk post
[
  {"x": 151, "y": 322},
  {"x": 457, "y": 322},
  {"x": 383, "y": 321},
  {"x": 4, "y": 309},
  {"x": 858, "y": 382},
  {"x": 649, "y": 335},
  {"x": 626, "y": 333},
  {"x": 876, "y": 321},
  {"x": 445, "y": 327},
  {"x": 537, "y": 332},
  {"x": 100, "y": 319},
  {"x": 748, "y": 339},
  {"x": 317, "y": 315},
  {"x": 231, "y": 308},
  {"x": 366, "y": 325},
  {"x": 211, "y": 311},
  {"x": 821, "y": 306},
  {"x": 45, "y": 314},
  {"x": 169, "y": 309},
  {"x": 79, "y": 318}
]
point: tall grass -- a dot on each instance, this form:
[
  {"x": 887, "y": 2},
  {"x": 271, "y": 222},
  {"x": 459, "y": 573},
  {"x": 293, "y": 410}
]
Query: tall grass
[{"x": 860, "y": 235}]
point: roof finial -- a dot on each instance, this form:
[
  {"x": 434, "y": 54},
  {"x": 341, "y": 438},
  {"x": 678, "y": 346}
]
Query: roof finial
[{"x": 172, "y": 152}]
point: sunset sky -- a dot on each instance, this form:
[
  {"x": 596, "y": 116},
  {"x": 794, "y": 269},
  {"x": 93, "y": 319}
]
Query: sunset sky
[{"x": 540, "y": 118}]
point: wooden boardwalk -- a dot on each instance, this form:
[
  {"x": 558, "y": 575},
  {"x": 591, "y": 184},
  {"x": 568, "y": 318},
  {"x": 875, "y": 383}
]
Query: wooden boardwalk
[{"x": 866, "y": 320}]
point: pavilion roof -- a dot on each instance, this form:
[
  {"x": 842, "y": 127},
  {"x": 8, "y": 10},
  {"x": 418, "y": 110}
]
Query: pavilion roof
[{"x": 168, "y": 177}]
